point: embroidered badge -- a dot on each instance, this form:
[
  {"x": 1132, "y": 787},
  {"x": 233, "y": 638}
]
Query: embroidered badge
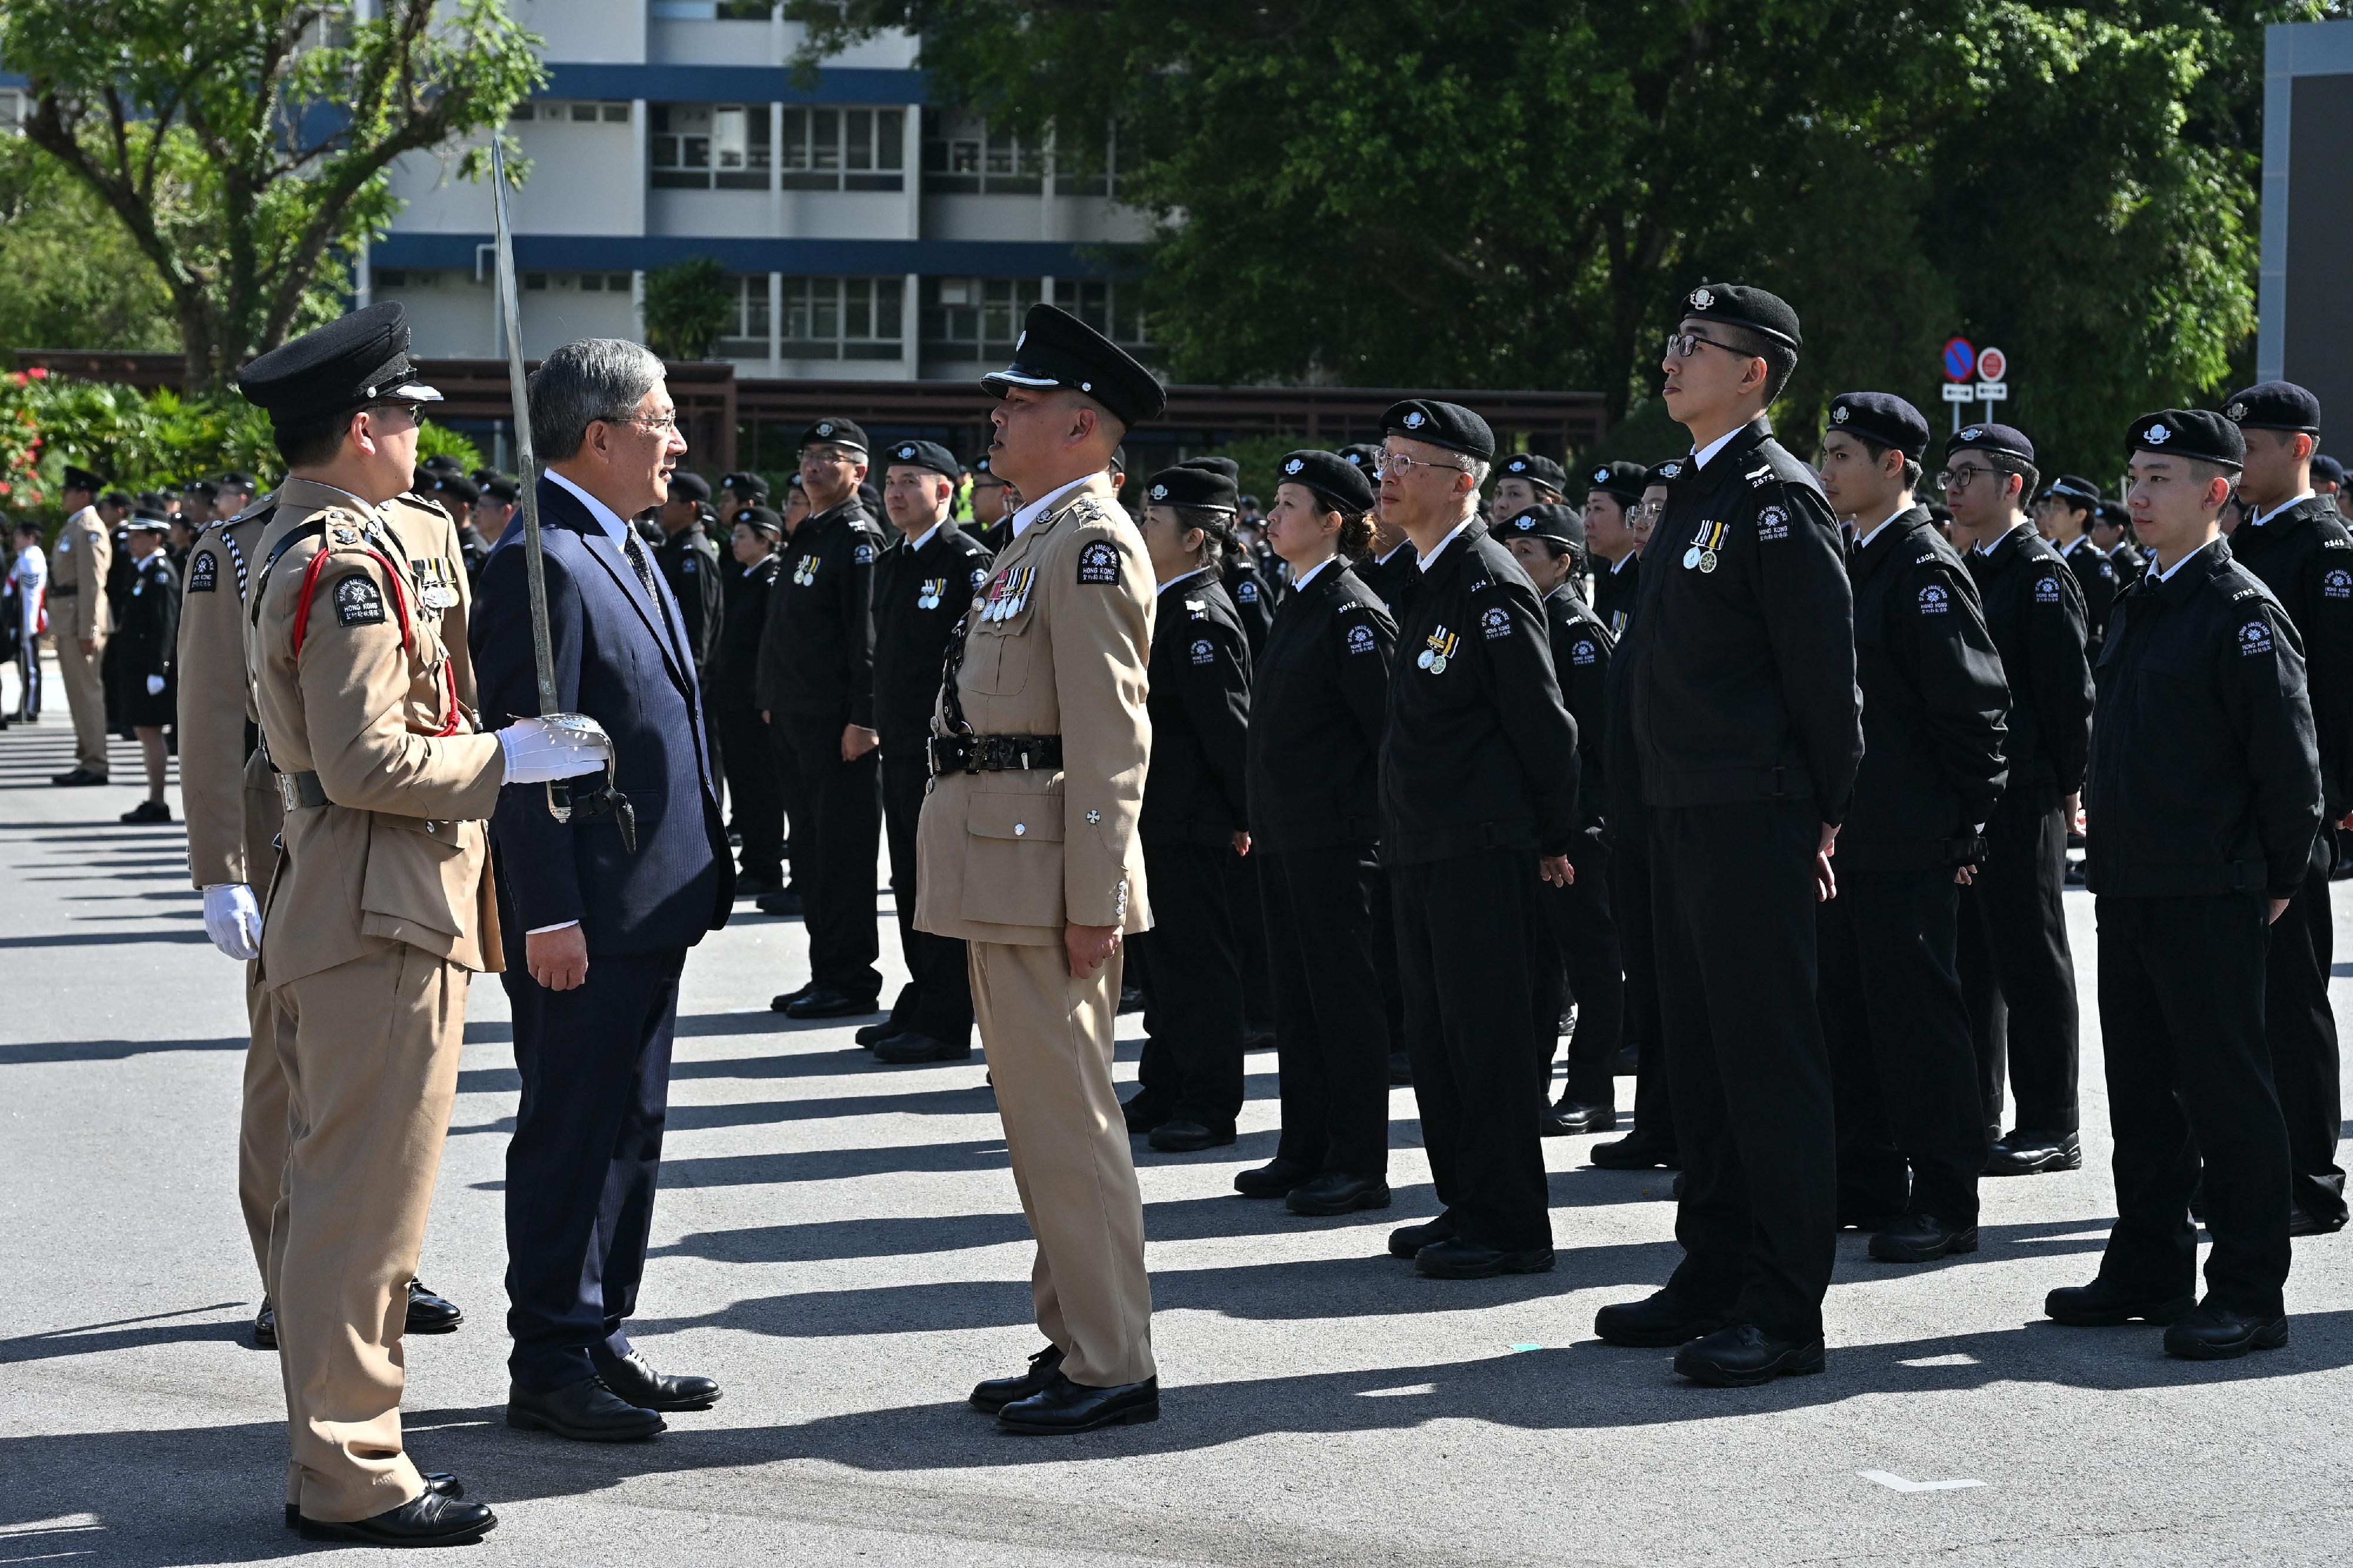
[
  {"x": 2046, "y": 590},
  {"x": 1582, "y": 651},
  {"x": 204, "y": 573},
  {"x": 1204, "y": 651},
  {"x": 2337, "y": 584},
  {"x": 1246, "y": 591},
  {"x": 358, "y": 604},
  {"x": 1361, "y": 639},
  {"x": 1759, "y": 476},
  {"x": 862, "y": 555},
  {"x": 1293, "y": 465},
  {"x": 979, "y": 575},
  {"x": 1773, "y": 523},
  {"x": 687, "y": 565},
  {"x": 1099, "y": 563},
  {"x": 2254, "y": 637},
  {"x": 2158, "y": 435},
  {"x": 1932, "y": 600},
  {"x": 1495, "y": 623}
]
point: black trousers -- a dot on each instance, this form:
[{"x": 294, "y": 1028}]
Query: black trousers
[
  {"x": 834, "y": 868},
  {"x": 1630, "y": 901},
  {"x": 1910, "y": 1135},
  {"x": 1250, "y": 919},
  {"x": 1733, "y": 914},
  {"x": 585, "y": 1157},
  {"x": 2301, "y": 1028},
  {"x": 1574, "y": 954},
  {"x": 1462, "y": 957},
  {"x": 2018, "y": 973},
  {"x": 1190, "y": 968},
  {"x": 790, "y": 788},
  {"x": 937, "y": 998},
  {"x": 1385, "y": 957},
  {"x": 1331, "y": 1028},
  {"x": 755, "y": 800},
  {"x": 2181, "y": 1028}
]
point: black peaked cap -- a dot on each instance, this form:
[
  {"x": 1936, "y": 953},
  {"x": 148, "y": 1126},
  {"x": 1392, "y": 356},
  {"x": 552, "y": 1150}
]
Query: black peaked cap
[{"x": 1058, "y": 350}]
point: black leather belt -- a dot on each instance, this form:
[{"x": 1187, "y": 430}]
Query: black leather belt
[
  {"x": 68, "y": 592},
  {"x": 297, "y": 790},
  {"x": 995, "y": 753}
]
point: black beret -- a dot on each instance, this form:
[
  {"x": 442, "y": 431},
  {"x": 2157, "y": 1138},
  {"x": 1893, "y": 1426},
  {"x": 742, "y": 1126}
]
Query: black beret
[
  {"x": 440, "y": 463},
  {"x": 237, "y": 480},
  {"x": 840, "y": 431},
  {"x": 2329, "y": 470},
  {"x": 1446, "y": 425},
  {"x": 1664, "y": 473},
  {"x": 1882, "y": 418},
  {"x": 483, "y": 474},
  {"x": 1560, "y": 524},
  {"x": 458, "y": 487},
  {"x": 204, "y": 487},
  {"x": 502, "y": 490},
  {"x": 1057, "y": 349},
  {"x": 747, "y": 484},
  {"x": 2188, "y": 433},
  {"x": 1217, "y": 465},
  {"x": 686, "y": 484},
  {"x": 1338, "y": 483},
  {"x": 761, "y": 518},
  {"x": 1620, "y": 479},
  {"x": 793, "y": 483},
  {"x": 2274, "y": 405},
  {"x": 148, "y": 519},
  {"x": 2115, "y": 514},
  {"x": 924, "y": 455},
  {"x": 1362, "y": 454},
  {"x": 1185, "y": 485},
  {"x": 83, "y": 479},
  {"x": 1535, "y": 470},
  {"x": 344, "y": 366},
  {"x": 2080, "y": 493},
  {"x": 1738, "y": 305},
  {"x": 982, "y": 471},
  {"x": 1997, "y": 438}
]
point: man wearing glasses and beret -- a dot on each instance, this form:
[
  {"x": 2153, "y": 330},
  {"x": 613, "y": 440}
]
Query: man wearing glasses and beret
[{"x": 2062, "y": 515}]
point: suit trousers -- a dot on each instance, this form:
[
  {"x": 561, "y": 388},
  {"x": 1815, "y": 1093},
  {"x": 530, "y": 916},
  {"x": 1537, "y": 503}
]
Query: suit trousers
[
  {"x": 2190, "y": 1078},
  {"x": 1331, "y": 1031},
  {"x": 1189, "y": 964},
  {"x": 1733, "y": 887},
  {"x": 85, "y": 684},
  {"x": 937, "y": 998},
  {"x": 261, "y": 1136},
  {"x": 835, "y": 847},
  {"x": 585, "y": 1157},
  {"x": 755, "y": 799},
  {"x": 2301, "y": 1028},
  {"x": 1575, "y": 955},
  {"x": 1048, "y": 1036},
  {"x": 1903, "y": 1071},
  {"x": 1629, "y": 902},
  {"x": 2017, "y": 971},
  {"x": 369, "y": 1050},
  {"x": 1462, "y": 931}
]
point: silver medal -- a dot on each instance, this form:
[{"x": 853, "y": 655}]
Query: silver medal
[
  {"x": 1437, "y": 664},
  {"x": 1691, "y": 557},
  {"x": 1428, "y": 655}
]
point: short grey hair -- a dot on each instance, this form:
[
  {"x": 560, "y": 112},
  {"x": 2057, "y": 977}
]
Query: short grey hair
[
  {"x": 1480, "y": 467},
  {"x": 596, "y": 378}
]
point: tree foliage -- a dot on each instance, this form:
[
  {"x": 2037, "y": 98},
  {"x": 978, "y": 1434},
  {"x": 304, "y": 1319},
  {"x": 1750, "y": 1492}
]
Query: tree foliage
[
  {"x": 69, "y": 276},
  {"x": 688, "y": 305}
]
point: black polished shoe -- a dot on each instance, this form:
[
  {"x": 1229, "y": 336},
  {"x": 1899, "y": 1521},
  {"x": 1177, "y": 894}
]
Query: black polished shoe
[
  {"x": 752, "y": 885},
  {"x": 997, "y": 1393},
  {"x": 78, "y": 778},
  {"x": 428, "y": 1519},
  {"x": 1143, "y": 1111},
  {"x": 1576, "y": 1118},
  {"x": 2029, "y": 1153},
  {"x": 442, "y": 1482},
  {"x": 1131, "y": 998},
  {"x": 1921, "y": 1238},
  {"x": 1273, "y": 1179},
  {"x": 1190, "y": 1137},
  {"x": 1456, "y": 1258},
  {"x": 1063, "y": 1406},
  {"x": 585, "y": 1412},
  {"x": 906, "y": 1049},
  {"x": 147, "y": 811},
  {"x": 1400, "y": 1071},
  {"x": 2101, "y": 1305},
  {"x": 2219, "y": 1333},
  {"x": 1741, "y": 1355},
  {"x": 782, "y": 901},
  {"x": 635, "y": 1380},
  {"x": 826, "y": 1002},
  {"x": 1408, "y": 1241},
  {"x": 1635, "y": 1153},
  {"x": 264, "y": 1326},
  {"x": 1658, "y": 1320},
  {"x": 1337, "y": 1193},
  {"x": 870, "y": 1035},
  {"x": 777, "y": 1004},
  {"x": 429, "y": 1313},
  {"x": 2302, "y": 1221}
]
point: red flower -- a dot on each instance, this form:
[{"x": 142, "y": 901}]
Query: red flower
[{"x": 38, "y": 373}]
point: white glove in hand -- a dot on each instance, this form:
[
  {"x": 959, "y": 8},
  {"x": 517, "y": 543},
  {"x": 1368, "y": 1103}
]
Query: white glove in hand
[
  {"x": 155, "y": 686},
  {"x": 538, "y": 752},
  {"x": 233, "y": 920}
]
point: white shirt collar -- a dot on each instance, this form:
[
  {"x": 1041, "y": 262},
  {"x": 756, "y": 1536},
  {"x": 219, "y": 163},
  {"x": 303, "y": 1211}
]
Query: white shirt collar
[
  {"x": 925, "y": 538},
  {"x": 1299, "y": 583},
  {"x": 1864, "y": 536},
  {"x": 1384, "y": 559},
  {"x": 1182, "y": 577},
  {"x": 1451, "y": 534},
  {"x": 607, "y": 518},
  {"x": 1620, "y": 564},
  {"x": 1700, "y": 457},
  {"x": 1999, "y": 539},
  {"x": 1035, "y": 510},
  {"x": 2184, "y": 560},
  {"x": 2257, "y": 520}
]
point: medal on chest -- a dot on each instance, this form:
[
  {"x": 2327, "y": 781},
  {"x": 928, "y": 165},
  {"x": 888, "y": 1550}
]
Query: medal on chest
[
  {"x": 1437, "y": 650},
  {"x": 1701, "y": 556},
  {"x": 434, "y": 583},
  {"x": 804, "y": 570},
  {"x": 929, "y": 593},
  {"x": 1008, "y": 592}
]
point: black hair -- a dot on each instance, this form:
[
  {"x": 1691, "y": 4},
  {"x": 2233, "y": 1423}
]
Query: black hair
[
  {"x": 1878, "y": 449},
  {"x": 2003, "y": 463},
  {"x": 1216, "y": 528},
  {"x": 1781, "y": 359},
  {"x": 314, "y": 442}
]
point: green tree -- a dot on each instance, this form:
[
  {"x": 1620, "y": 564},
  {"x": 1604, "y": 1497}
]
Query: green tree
[
  {"x": 68, "y": 277},
  {"x": 244, "y": 145},
  {"x": 688, "y": 305}
]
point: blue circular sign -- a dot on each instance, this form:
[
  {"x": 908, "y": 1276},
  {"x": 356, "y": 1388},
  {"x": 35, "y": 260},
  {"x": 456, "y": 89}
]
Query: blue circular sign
[{"x": 1960, "y": 359}]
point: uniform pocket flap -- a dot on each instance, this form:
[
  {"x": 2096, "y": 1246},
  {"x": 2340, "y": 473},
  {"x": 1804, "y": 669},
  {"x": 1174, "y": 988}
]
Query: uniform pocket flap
[{"x": 1023, "y": 816}]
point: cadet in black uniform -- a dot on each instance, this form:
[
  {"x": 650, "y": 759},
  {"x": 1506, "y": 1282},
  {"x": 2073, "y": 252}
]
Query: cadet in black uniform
[
  {"x": 689, "y": 560},
  {"x": 992, "y": 507},
  {"x": 1478, "y": 791},
  {"x": 2205, "y": 792},
  {"x": 739, "y": 492},
  {"x": 756, "y": 803},
  {"x": 1253, "y": 596},
  {"x": 921, "y": 589},
  {"x": 1524, "y": 480},
  {"x": 145, "y": 646},
  {"x": 817, "y": 692},
  {"x": 2018, "y": 973},
  {"x": 1911, "y": 1140},
  {"x": 2063, "y": 515},
  {"x": 1318, "y": 697},
  {"x": 2297, "y": 544},
  {"x": 1614, "y": 489},
  {"x": 1747, "y": 734},
  {"x": 1388, "y": 572},
  {"x": 1195, "y": 800},
  {"x": 2111, "y": 533}
]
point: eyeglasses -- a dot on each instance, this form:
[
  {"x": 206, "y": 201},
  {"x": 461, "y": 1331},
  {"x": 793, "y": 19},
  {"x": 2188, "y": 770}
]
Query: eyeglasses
[
  {"x": 1398, "y": 463},
  {"x": 1683, "y": 345},
  {"x": 661, "y": 426},
  {"x": 828, "y": 454},
  {"x": 1952, "y": 481}
]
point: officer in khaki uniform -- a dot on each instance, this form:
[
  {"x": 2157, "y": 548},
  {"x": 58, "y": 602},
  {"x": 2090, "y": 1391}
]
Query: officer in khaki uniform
[
  {"x": 1027, "y": 850},
  {"x": 81, "y": 620},
  {"x": 377, "y": 916}
]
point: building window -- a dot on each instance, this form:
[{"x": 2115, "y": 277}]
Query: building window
[
  {"x": 974, "y": 317},
  {"x": 963, "y": 153},
  {"x": 1080, "y": 172},
  {"x": 843, "y": 317},
  {"x": 1109, "y": 307},
  {"x": 700, "y": 146},
  {"x": 403, "y": 278},
  {"x": 13, "y": 109},
  {"x": 746, "y": 336},
  {"x": 711, "y": 10},
  {"x": 605, "y": 283},
  {"x": 845, "y": 149},
  {"x": 592, "y": 112}
]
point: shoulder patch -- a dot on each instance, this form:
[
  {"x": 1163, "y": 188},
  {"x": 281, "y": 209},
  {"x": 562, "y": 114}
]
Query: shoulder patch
[
  {"x": 204, "y": 573},
  {"x": 2337, "y": 582},
  {"x": 1582, "y": 651},
  {"x": 1361, "y": 639},
  {"x": 358, "y": 603},
  {"x": 2254, "y": 639},
  {"x": 2046, "y": 589},
  {"x": 861, "y": 554},
  {"x": 1204, "y": 651},
  {"x": 1934, "y": 599},
  {"x": 1099, "y": 562},
  {"x": 688, "y": 563},
  {"x": 979, "y": 575},
  {"x": 1495, "y": 623},
  {"x": 1759, "y": 476},
  {"x": 1773, "y": 522}
]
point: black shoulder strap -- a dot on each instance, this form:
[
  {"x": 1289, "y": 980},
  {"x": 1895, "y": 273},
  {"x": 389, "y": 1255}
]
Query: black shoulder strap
[{"x": 315, "y": 529}]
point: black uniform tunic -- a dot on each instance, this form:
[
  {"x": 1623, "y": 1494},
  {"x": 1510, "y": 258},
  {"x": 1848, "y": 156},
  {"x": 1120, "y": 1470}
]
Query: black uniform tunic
[
  {"x": 1389, "y": 579},
  {"x": 2201, "y": 686},
  {"x": 1575, "y": 953},
  {"x": 1250, "y": 582},
  {"x": 1625, "y": 827},
  {"x": 1317, "y": 695},
  {"x": 2096, "y": 577},
  {"x": 756, "y": 797},
  {"x": 690, "y": 563},
  {"x": 148, "y": 635},
  {"x": 1615, "y": 590}
]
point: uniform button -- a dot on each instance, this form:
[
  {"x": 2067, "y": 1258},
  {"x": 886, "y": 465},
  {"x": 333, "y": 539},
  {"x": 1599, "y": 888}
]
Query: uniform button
[{"x": 1020, "y": 828}]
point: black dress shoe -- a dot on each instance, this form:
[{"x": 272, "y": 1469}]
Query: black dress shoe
[
  {"x": 2219, "y": 1333},
  {"x": 1335, "y": 1193},
  {"x": 1063, "y": 1406},
  {"x": 428, "y": 1519},
  {"x": 826, "y": 1002},
  {"x": 1143, "y": 1111},
  {"x": 264, "y": 1326},
  {"x": 1400, "y": 1071},
  {"x": 2027, "y": 1153},
  {"x": 1131, "y": 998},
  {"x": 585, "y": 1412},
  {"x": 1635, "y": 1152},
  {"x": 1274, "y": 1178},
  {"x": 908, "y": 1048},
  {"x": 777, "y": 1004},
  {"x": 2302, "y": 1221},
  {"x": 147, "y": 811},
  {"x": 1406, "y": 1241},
  {"x": 996, "y": 1392},
  {"x": 77, "y": 778},
  {"x": 1921, "y": 1238},
  {"x": 782, "y": 901},
  {"x": 1456, "y": 1258},
  {"x": 441, "y": 1481},
  {"x": 429, "y": 1313},
  {"x": 872, "y": 1035},
  {"x": 1657, "y": 1321},
  {"x": 635, "y": 1380},
  {"x": 1190, "y": 1137},
  {"x": 1576, "y": 1118},
  {"x": 2101, "y": 1305},
  {"x": 1742, "y": 1356}
]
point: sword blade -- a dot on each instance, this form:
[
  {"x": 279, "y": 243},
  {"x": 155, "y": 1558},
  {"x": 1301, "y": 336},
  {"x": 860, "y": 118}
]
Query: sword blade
[{"x": 543, "y": 647}]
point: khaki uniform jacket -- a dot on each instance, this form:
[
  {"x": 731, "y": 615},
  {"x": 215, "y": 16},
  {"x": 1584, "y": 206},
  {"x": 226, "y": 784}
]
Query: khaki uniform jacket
[
  {"x": 1055, "y": 644},
  {"x": 352, "y": 681},
  {"x": 78, "y": 571}
]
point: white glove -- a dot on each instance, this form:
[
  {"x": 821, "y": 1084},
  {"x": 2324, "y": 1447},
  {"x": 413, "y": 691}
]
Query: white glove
[
  {"x": 155, "y": 686},
  {"x": 539, "y": 750},
  {"x": 233, "y": 920}
]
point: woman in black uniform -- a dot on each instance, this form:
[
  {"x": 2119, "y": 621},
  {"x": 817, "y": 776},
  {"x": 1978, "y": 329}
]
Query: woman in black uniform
[
  {"x": 1191, "y": 821},
  {"x": 1315, "y": 736},
  {"x": 149, "y": 642}
]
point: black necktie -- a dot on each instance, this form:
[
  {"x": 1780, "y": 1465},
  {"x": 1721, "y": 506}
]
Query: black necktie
[{"x": 635, "y": 550}]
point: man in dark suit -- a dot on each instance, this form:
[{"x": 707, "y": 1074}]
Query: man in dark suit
[{"x": 597, "y": 912}]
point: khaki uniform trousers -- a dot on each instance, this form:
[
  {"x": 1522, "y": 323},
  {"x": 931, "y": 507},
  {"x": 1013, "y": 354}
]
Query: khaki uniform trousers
[
  {"x": 1047, "y": 1037},
  {"x": 86, "y": 697},
  {"x": 261, "y": 1127},
  {"x": 369, "y": 1051}
]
